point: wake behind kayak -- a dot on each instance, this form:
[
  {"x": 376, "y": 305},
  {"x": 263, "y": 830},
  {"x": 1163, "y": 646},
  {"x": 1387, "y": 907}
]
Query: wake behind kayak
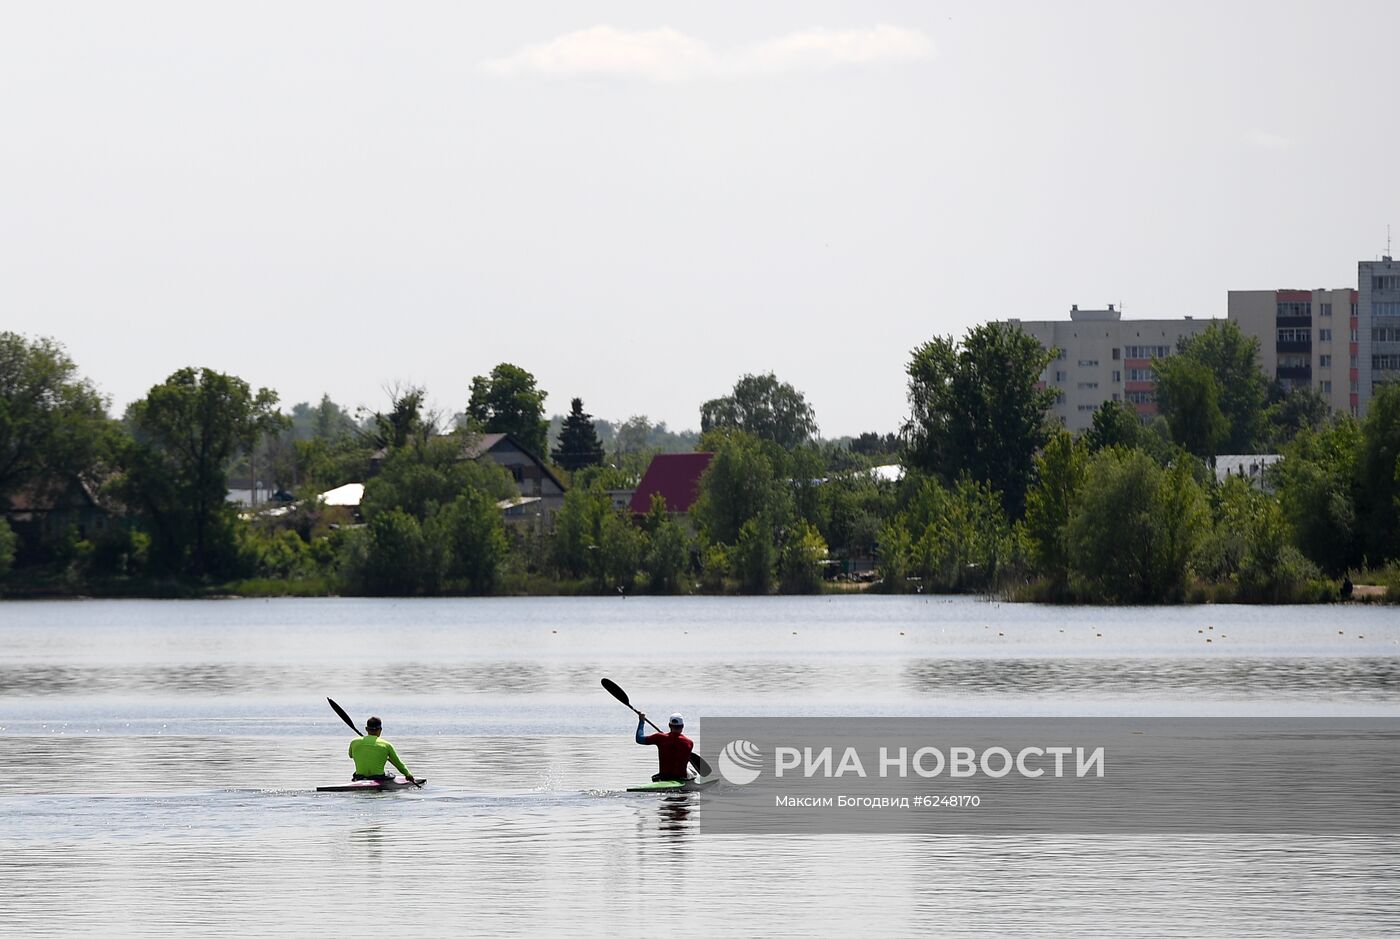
[{"x": 672, "y": 785}]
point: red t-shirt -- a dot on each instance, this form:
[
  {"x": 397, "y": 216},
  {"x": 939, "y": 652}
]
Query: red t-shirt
[{"x": 673, "y": 750}]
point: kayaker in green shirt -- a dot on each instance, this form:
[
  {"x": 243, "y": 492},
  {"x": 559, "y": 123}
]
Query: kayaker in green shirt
[{"x": 371, "y": 752}]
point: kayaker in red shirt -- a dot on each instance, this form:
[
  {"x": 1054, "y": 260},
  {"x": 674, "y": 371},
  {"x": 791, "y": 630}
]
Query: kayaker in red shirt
[{"x": 672, "y": 749}]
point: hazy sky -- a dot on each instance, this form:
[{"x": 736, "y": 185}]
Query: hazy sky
[{"x": 639, "y": 202}]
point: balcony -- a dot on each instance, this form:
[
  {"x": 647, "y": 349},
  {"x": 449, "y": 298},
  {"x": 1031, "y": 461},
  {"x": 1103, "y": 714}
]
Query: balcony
[
  {"x": 1295, "y": 373},
  {"x": 1297, "y": 348}
]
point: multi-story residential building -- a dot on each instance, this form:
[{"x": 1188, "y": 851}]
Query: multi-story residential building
[
  {"x": 1375, "y": 339},
  {"x": 1307, "y": 339},
  {"x": 1103, "y": 357}
]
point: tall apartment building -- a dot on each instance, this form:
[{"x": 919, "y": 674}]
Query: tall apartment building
[
  {"x": 1307, "y": 339},
  {"x": 1103, "y": 357},
  {"x": 1342, "y": 342},
  {"x": 1375, "y": 341}
]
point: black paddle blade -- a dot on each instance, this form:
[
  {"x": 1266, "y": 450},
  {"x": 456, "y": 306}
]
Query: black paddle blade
[
  {"x": 616, "y": 692},
  {"x": 345, "y": 717},
  {"x": 701, "y": 767}
]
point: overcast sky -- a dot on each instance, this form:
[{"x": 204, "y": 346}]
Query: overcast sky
[{"x": 639, "y": 202}]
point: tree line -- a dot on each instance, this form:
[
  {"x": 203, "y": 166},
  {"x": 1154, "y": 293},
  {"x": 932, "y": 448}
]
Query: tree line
[{"x": 994, "y": 495}]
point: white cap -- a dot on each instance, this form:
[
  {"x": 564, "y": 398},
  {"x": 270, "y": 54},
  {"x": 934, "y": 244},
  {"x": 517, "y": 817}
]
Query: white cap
[{"x": 676, "y": 720}]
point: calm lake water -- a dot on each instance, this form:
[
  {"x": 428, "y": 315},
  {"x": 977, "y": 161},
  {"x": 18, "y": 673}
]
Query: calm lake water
[{"x": 163, "y": 757}]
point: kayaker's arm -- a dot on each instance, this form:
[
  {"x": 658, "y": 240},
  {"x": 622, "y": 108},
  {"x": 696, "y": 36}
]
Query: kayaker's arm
[
  {"x": 641, "y": 728},
  {"x": 398, "y": 763}
]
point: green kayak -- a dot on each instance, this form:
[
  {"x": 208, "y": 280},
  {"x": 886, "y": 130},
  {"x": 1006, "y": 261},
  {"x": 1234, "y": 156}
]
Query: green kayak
[{"x": 671, "y": 785}]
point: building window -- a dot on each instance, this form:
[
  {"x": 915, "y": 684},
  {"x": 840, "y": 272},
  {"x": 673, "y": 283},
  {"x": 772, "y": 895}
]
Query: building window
[
  {"x": 1115, "y": 396},
  {"x": 1292, "y": 361},
  {"x": 1385, "y": 282},
  {"x": 1324, "y": 361},
  {"x": 1088, "y": 385},
  {"x": 1141, "y": 374},
  {"x": 1088, "y": 407},
  {"x": 1385, "y": 363},
  {"x": 1088, "y": 363},
  {"x": 1324, "y": 335},
  {"x": 1353, "y": 362},
  {"x": 1290, "y": 334},
  {"x": 1140, "y": 397},
  {"x": 1117, "y": 376},
  {"x": 1385, "y": 334},
  {"x": 1353, "y": 333},
  {"x": 1147, "y": 352},
  {"x": 1388, "y": 308},
  {"x": 1115, "y": 355},
  {"x": 1060, "y": 376},
  {"x": 1324, "y": 309},
  {"x": 1325, "y": 387},
  {"x": 1295, "y": 308},
  {"x": 1060, "y": 355},
  {"x": 1355, "y": 386}
]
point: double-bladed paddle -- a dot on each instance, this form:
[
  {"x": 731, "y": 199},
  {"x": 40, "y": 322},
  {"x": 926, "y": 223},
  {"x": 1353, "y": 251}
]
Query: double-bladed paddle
[
  {"x": 346, "y": 718},
  {"x": 614, "y": 689}
]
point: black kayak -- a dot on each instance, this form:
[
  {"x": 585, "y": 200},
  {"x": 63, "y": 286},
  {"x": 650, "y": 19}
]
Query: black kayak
[{"x": 374, "y": 785}]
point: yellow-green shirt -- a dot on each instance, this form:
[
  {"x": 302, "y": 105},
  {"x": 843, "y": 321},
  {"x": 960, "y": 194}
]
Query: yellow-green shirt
[{"x": 370, "y": 753}]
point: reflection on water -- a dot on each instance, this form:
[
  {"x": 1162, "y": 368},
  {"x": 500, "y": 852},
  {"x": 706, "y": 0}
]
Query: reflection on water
[{"x": 166, "y": 754}]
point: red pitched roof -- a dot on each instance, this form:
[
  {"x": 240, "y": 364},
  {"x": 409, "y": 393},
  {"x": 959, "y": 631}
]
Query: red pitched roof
[{"x": 676, "y": 476}]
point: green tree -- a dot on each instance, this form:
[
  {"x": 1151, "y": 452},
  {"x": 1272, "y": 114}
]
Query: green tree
[
  {"x": 853, "y": 507},
  {"x": 755, "y": 555},
  {"x": 1295, "y": 411},
  {"x": 405, "y": 421},
  {"x": 874, "y": 444},
  {"x": 578, "y": 527},
  {"x": 1115, "y": 424},
  {"x": 1135, "y": 528},
  {"x": 620, "y": 550},
  {"x": 1242, "y": 388},
  {"x": 1378, "y": 468},
  {"x": 1317, "y": 486},
  {"x": 1050, "y": 504},
  {"x": 1189, "y": 398},
  {"x": 764, "y": 407},
  {"x": 425, "y": 476},
  {"x": 578, "y": 440},
  {"x": 476, "y": 540},
  {"x": 668, "y": 549},
  {"x": 894, "y": 557},
  {"x": 737, "y": 486},
  {"x": 400, "y": 559},
  {"x": 961, "y": 537},
  {"x": 185, "y": 433},
  {"x": 52, "y": 422},
  {"x": 507, "y": 402},
  {"x": 800, "y": 561},
  {"x": 8, "y": 542},
  {"x": 975, "y": 409}
]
